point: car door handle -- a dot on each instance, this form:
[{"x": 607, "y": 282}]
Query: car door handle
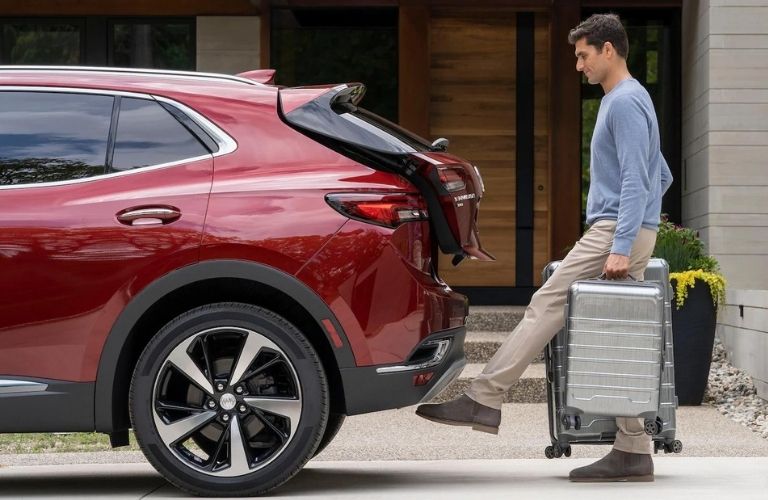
[{"x": 148, "y": 216}]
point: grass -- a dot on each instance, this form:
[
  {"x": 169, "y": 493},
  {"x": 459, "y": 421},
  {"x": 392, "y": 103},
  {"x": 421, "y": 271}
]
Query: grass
[{"x": 59, "y": 442}]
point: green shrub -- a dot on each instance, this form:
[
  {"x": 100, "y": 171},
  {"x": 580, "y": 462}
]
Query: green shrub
[{"x": 688, "y": 261}]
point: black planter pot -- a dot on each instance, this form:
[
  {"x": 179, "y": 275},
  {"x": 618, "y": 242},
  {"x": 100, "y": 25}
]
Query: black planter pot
[{"x": 693, "y": 327}]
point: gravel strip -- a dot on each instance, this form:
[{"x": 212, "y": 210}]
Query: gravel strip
[{"x": 732, "y": 392}]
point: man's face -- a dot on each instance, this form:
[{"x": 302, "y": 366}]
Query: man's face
[{"x": 592, "y": 63}]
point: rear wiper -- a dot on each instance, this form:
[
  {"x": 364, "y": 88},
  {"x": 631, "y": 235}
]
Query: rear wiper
[{"x": 440, "y": 144}]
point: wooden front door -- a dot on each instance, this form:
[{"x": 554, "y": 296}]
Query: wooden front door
[{"x": 474, "y": 85}]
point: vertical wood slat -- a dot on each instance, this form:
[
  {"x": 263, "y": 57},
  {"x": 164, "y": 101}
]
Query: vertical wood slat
[
  {"x": 413, "y": 68},
  {"x": 266, "y": 33},
  {"x": 565, "y": 115}
]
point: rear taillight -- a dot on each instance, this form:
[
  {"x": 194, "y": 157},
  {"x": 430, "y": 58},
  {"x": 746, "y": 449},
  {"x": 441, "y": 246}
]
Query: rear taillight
[
  {"x": 382, "y": 209},
  {"x": 452, "y": 178}
]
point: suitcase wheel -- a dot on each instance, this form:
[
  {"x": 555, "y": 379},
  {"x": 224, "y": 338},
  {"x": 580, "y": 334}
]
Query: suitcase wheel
[
  {"x": 570, "y": 421},
  {"x": 673, "y": 447},
  {"x": 556, "y": 451},
  {"x": 652, "y": 427}
]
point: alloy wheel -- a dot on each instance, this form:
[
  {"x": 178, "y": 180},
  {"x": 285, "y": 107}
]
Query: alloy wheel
[{"x": 227, "y": 401}]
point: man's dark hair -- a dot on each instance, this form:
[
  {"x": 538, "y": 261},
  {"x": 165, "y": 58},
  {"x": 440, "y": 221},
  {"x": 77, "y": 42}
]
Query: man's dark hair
[{"x": 601, "y": 28}]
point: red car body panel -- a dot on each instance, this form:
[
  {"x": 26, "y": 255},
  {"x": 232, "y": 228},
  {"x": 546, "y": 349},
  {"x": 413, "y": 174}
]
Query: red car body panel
[
  {"x": 70, "y": 268},
  {"x": 385, "y": 305}
]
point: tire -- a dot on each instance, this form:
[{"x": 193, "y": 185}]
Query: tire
[
  {"x": 222, "y": 372},
  {"x": 335, "y": 420}
]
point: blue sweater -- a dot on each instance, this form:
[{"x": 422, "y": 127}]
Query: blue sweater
[{"x": 628, "y": 174}]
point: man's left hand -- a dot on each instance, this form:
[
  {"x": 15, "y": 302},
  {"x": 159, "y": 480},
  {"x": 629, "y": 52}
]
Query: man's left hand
[{"x": 616, "y": 267}]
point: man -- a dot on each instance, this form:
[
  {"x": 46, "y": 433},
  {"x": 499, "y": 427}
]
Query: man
[{"x": 628, "y": 178}]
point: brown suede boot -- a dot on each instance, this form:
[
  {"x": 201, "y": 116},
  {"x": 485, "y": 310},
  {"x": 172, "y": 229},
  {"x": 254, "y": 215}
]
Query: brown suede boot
[
  {"x": 616, "y": 466},
  {"x": 463, "y": 411}
]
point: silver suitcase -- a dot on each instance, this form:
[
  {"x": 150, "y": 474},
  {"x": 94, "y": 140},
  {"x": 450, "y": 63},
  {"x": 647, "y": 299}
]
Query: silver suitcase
[
  {"x": 614, "y": 330},
  {"x": 601, "y": 429}
]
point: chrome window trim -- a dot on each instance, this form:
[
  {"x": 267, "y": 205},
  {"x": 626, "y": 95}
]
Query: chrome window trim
[
  {"x": 98, "y": 69},
  {"x": 72, "y": 90},
  {"x": 225, "y": 142},
  {"x": 16, "y": 386}
]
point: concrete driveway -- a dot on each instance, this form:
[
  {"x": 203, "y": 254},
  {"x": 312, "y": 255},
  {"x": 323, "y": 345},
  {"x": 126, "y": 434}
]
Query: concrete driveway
[
  {"x": 394, "y": 454},
  {"x": 679, "y": 478}
]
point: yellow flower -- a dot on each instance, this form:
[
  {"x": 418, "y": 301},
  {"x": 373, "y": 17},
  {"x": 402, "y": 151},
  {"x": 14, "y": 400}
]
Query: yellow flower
[{"x": 687, "y": 279}]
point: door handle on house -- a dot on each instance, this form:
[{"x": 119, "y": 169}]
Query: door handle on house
[{"x": 148, "y": 216}]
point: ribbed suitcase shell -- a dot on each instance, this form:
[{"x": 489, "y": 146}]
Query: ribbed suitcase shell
[
  {"x": 597, "y": 429},
  {"x": 614, "y": 331}
]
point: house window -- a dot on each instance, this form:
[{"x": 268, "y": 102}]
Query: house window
[
  {"x": 41, "y": 41},
  {"x": 152, "y": 43},
  {"x": 338, "y": 45}
]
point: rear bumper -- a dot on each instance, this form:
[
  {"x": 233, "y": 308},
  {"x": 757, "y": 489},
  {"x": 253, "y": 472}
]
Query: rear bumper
[{"x": 432, "y": 366}]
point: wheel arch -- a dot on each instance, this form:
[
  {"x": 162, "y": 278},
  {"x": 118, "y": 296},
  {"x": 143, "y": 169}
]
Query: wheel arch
[{"x": 197, "y": 284}]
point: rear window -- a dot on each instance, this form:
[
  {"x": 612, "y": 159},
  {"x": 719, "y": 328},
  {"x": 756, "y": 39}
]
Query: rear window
[
  {"x": 355, "y": 125},
  {"x": 395, "y": 135}
]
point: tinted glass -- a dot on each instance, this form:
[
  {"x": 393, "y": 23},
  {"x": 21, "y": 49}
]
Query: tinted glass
[
  {"x": 387, "y": 130},
  {"x": 354, "y": 125},
  {"x": 148, "y": 135},
  {"x": 153, "y": 45},
  {"x": 48, "y": 137},
  {"x": 40, "y": 43}
]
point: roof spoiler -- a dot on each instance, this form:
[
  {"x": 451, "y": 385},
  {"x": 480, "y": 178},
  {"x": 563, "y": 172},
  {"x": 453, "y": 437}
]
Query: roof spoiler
[
  {"x": 345, "y": 94},
  {"x": 265, "y": 76}
]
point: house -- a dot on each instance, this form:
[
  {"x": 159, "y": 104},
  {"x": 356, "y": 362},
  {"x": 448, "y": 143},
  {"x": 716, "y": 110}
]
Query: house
[{"x": 497, "y": 78}]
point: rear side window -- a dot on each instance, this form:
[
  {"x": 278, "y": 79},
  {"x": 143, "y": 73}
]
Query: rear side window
[
  {"x": 396, "y": 136},
  {"x": 147, "y": 135},
  {"x": 354, "y": 125},
  {"x": 51, "y": 136}
]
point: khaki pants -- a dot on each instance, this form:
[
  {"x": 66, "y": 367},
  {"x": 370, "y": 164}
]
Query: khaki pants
[{"x": 544, "y": 317}]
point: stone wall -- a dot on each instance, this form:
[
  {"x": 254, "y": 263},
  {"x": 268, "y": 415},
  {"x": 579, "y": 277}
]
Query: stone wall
[
  {"x": 228, "y": 44},
  {"x": 725, "y": 163}
]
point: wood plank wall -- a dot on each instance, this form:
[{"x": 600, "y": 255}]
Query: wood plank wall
[{"x": 473, "y": 103}]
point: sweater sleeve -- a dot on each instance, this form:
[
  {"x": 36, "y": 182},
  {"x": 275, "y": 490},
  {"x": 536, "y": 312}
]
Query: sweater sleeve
[
  {"x": 631, "y": 133},
  {"x": 666, "y": 176}
]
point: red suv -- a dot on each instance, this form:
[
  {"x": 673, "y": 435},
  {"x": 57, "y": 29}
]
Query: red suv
[{"x": 226, "y": 266}]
